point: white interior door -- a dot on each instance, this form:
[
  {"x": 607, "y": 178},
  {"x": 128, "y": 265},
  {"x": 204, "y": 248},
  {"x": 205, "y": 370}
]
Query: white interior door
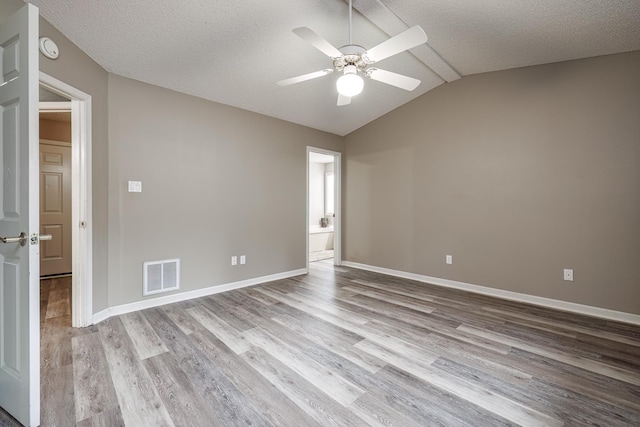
[{"x": 19, "y": 258}]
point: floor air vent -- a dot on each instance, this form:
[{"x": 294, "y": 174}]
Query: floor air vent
[{"x": 161, "y": 276}]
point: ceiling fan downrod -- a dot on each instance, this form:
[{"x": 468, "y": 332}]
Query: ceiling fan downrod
[
  {"x": 350, "y": 20},
  {"x": 350, "y": 83}
]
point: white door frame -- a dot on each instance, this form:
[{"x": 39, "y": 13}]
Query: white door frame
[
  {"x": 81, "y": 200},
  {"x": 337, "y": 222}
]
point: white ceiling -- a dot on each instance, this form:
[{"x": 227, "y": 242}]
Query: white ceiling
[
  {"x": 320, "y": 158},
  {"x": 234, "y": 52}
]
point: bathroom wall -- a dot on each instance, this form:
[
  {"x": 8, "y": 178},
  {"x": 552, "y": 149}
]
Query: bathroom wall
[
  {"x": 329, "y": 167},
  {"x": 317, "y": 197},
  {"x": 316, "y": 193}
]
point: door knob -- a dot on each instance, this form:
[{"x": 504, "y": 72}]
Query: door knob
[{"x": 22, "y": 239}]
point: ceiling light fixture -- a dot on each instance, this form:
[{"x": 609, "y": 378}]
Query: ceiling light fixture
[
  {"x": 350, "y": 84},
  {"x": 354, "y": 61}
]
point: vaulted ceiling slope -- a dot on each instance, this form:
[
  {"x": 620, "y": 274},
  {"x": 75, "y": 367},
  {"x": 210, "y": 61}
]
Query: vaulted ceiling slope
[{"x": 234, "y": 52}]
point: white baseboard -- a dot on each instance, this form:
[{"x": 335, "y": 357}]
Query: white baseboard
[
  {"x": 183, "y": 296},
  {"x": 588, "y": 310}
]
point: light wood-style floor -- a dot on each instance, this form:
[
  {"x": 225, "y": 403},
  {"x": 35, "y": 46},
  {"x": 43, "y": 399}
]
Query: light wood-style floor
[{"x": 338, "y": 347}]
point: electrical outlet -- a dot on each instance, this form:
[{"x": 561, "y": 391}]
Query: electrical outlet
[
  {"x": 568, "y": 274},
  {"x": 234, "y": 260},
  {"x": 449, "y": 259},
  {"x": 135, "y": 186},
  {"x": 243, "y": 259}
]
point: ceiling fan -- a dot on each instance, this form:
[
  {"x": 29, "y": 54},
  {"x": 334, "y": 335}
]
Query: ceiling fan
[{"x": 353, "y": 60}]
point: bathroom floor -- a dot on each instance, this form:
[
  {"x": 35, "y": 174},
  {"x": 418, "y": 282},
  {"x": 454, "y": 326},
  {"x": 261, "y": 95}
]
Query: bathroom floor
[{"x": 320, "y": 255}]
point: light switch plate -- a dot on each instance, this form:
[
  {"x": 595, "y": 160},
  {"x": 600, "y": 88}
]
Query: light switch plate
[{"x": 135, "y": 186}]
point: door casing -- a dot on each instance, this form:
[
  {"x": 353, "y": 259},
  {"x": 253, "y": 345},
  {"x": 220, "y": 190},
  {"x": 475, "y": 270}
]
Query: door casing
[
  {"x": 337, "y": 223},
  {"x": 81, "y": 199}
]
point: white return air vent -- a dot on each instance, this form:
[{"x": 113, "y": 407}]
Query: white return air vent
[{"x": 160, "y": 276}]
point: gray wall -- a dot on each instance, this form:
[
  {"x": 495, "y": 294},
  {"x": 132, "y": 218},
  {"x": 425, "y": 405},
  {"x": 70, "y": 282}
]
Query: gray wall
[
  {"x": 217, "y": 181},
  {"x": 75, "y": 68},
  {"x": 517, "y": 174},
  {"x": 7, "y": 7}
]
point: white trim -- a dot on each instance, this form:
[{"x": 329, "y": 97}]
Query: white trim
[
  {"x": 81, "y": 199},
  {"x": 306, "y": 210},
  {"x": 337, "y": 194},
  {"x": 337, "y": 221},
  {"x": 55, "y": 107},
  {"x": 588, "y": 310},
  {"x": 33, "y": 222},
  {"x": 169, "y": 299}
]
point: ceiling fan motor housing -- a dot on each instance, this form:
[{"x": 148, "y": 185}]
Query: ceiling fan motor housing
[{"x": 352, "y": 54}]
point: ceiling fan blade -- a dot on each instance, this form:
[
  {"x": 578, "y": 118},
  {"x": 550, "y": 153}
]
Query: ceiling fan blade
[
  {"x": 393, "y": 79},
  {"x": 308, "y": 35},
  {"x": 407, "y": 39},
  {"x": 343, "y": 100},
  {"x": 304, "y": 77}
]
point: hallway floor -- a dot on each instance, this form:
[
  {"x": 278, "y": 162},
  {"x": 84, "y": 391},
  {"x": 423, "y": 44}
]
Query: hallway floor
[{"x": 57, "y": 404}]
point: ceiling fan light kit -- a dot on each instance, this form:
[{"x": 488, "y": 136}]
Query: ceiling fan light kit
[
  {"x": 354, "y": 60},
  {"x": 350, "y": 84}
]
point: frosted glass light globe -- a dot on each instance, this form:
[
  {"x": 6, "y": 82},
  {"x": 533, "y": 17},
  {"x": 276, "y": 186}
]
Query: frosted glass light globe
[{"x": 350, "y": 84}]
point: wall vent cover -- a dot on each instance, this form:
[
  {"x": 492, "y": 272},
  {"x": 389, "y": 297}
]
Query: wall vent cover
[{"x": 160, "y": 276}]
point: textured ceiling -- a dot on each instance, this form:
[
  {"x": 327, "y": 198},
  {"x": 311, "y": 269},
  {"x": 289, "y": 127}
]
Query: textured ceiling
[{"x": 234, "y": 52}]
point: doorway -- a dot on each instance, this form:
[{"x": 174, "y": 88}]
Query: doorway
[
  {"x": 79, "y": 107},
  {"x": 55, "y": 214},
  {"x": 323, "y": 206}
]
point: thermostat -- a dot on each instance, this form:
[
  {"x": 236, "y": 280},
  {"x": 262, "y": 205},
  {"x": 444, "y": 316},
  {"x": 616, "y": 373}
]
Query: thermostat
[{"x": 49, "y": 48}]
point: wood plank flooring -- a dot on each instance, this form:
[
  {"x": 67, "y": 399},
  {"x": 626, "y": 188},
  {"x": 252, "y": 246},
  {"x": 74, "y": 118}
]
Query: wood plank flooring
[{"x": 338, "y": 347}]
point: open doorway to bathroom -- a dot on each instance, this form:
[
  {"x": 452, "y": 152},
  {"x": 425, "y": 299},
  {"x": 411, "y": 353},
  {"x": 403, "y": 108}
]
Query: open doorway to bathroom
[{"x": 323, "y": 205}]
